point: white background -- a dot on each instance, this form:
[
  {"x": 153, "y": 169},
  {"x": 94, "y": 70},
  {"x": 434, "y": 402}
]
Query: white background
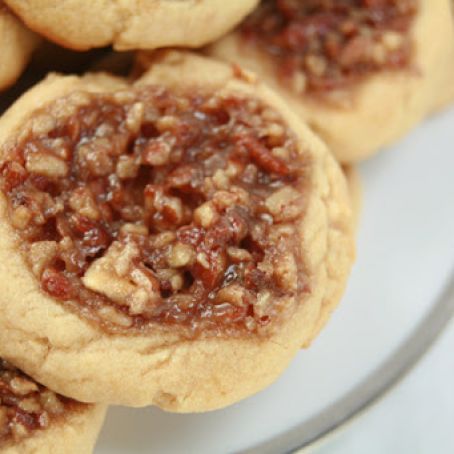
[{"x": 417, "y": 417}]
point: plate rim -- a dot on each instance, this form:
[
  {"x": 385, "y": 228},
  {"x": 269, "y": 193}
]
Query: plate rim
[{"x": 373, "y": 388}]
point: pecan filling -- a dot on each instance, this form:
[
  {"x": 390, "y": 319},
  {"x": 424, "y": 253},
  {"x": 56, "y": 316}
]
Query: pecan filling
[
  {"x": 149, "y": 207},
  {"x": 26, "y": 406},
  {"x": 323, "y": 45}
]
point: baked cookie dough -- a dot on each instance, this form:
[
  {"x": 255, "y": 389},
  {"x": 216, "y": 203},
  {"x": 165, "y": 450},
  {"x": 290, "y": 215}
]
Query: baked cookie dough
[
  {"x": 16, "y": 44},
  {"x": 34, "y": 419},
  {"x": 360, "y": 73},
  {"x": 146, "y": 24},
  {"x": 356, "y": 191},
  {"x": 173, "y": 241}
]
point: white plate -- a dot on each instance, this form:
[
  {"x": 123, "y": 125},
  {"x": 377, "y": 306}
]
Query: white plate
[{"x": 405, "y": 261}]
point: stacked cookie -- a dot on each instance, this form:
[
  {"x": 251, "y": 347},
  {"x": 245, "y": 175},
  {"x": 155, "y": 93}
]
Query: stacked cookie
[
  {"x": 35, "y": 419},
  {"x": 18, "y": 44},
  {"x": 174, "y": 235}
]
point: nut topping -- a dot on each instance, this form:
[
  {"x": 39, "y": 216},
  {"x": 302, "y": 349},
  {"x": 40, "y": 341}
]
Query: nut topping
[
  {"x": 325, "y": 45},
  {"x": 147, "y": 208},
  {"x": 26, "y": 406}
]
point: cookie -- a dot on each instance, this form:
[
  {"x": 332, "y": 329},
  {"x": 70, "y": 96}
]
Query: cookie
[
  {"x": 34, "y": 419},
  {"x": 174, "y": 240},
  {"x": 17, "y": 44},
  {"x": 356, "y": 191},
  {"x": 362, "y": 74},
  {"x": 146, "y": 24}
]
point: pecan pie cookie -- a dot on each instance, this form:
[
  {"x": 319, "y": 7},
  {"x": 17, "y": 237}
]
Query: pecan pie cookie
[
  {"x": 172, "y": 242},
  {"x": 356, "y": 191},
  {"x": 34, "y": 419},
  {"x": 147, "y": 24},
  {"x": 16, "y": 45},
  {"x": 361, "y": 73}
]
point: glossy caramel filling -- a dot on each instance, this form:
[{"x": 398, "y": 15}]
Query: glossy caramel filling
[
  {"x": 323, "y": 45},
  {"x": 148, "y": 207}
]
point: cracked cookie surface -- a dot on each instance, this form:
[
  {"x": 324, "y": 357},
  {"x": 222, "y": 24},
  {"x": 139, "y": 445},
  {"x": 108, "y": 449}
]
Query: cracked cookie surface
[{"x": 147, "y": 24}]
